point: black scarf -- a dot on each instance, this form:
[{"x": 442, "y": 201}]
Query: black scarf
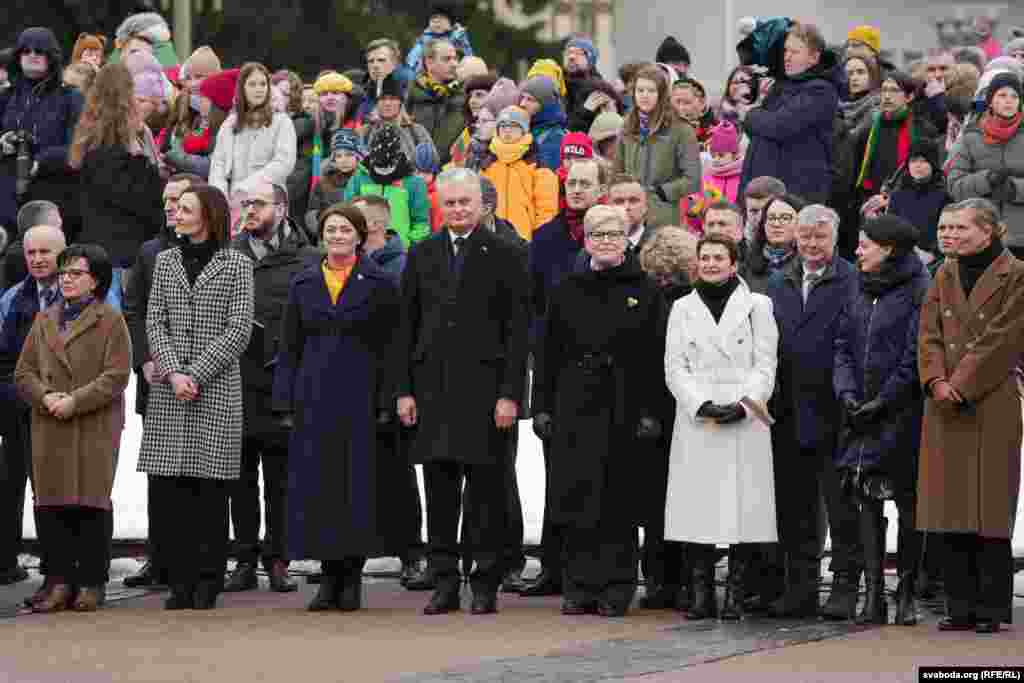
[
  {"x": 715, "y": 295},
  {"x": 893, "y": 273},
  {"x": 195, "y": 257},
  {"x": 972, "y": 267}
]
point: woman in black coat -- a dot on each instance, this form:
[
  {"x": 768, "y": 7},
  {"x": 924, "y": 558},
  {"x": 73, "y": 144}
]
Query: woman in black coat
[
  {"x": 876, "y": 380},
  {"x": 599, "y": 366},
  {"x": 332, "y": 384}
]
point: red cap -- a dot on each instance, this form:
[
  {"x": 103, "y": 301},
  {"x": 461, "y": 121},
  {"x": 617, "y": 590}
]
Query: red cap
[
  {"x": 578, "y": 145},
  {"x": 220, "y": 88}
]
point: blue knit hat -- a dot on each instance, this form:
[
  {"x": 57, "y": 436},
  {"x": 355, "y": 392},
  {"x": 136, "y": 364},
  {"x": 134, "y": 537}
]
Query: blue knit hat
[
  {"x": 587, "y": 46},
  {"x": 425, "y": 160},
  {"x": 348, "y": 141}
]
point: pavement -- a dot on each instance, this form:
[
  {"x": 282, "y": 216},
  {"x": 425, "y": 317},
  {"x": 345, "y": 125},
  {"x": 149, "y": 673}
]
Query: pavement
[{"x": 262, "y": 636}]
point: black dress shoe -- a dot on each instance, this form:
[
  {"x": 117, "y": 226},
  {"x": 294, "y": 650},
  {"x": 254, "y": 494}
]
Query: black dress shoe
[
  {"x": 611, "y": 609},
  {"x": 986, "y": 627},
  {"x": 243, "y": 578},
  {"x": 207, "y": 591},
  {"x": 326, "y": 595},
  {"x": 443, "y": 602},
  {"x": 350, "y": 597},
  {"x": 485, "y": 604},
  {"x": 15, "y": 574},
  {"x": 148, "y": 576},
  {"x": 547, "y": 583},
  {"x": 513, "y": 582},
  {"x": 421, "y": 580},
  {"x": 182, "y": 597},
  {"x": 957, "y": 624}
]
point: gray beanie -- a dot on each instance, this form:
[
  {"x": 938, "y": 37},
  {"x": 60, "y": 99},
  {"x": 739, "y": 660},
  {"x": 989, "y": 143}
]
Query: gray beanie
[
  {"x": 540, "y": 88},
  {"x": 1015, "y": 45}
]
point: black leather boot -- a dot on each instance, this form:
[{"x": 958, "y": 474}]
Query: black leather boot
[
  {"x": 735, "y": 586},
  {"x": 705, "y": 604},
  {"x": 350, "y": 593},
  {"x": 327, "y": 594},
  {"x": 842, "y": 599},
  {"x": 182, "y": 597},
  {"x": 875, "y": 610},
  {"x": 872, "y": 533},
  {"x": 800, "y": 600},
  {"x": 906, "y": 607}
]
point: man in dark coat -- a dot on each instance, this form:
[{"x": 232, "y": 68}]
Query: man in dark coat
[
  {"x": 579, "y": 60},
  {"x": 38, "y": 103},
  {"x": 791, "y": 131},
  {"x": 461, "y": 365},
  {"x": 39, "y": 212},
  {"x": 279, "y": 250},
  {"x": 808, "y": 298},
  {"x": 136, "y": 304},
  {"x": 22, "y": 302},
  {"x": 554, "y": 251}
]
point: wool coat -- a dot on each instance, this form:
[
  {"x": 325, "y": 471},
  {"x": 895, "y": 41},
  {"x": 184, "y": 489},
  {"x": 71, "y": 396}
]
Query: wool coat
[
  {"x": 597, "y": 374},
  {"x": 334, "y": 374},
  {"x": 462, "y": 344},
  {"x": 971, "y": 160},
  {"x": 670, "y": 159},
  {"x": 969, "y": 476},
  {"x": 552, "y": 256},
  {"x": 721, "y": 482},
  {"x": 876, "y": 358},
  {"x": 243, "y": 156},
  {"x": 73, "y": 460},
  {"x": 199, "y": 330}
]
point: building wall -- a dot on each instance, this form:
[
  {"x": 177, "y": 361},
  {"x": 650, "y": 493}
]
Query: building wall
[{"x": 710, "y": 32}]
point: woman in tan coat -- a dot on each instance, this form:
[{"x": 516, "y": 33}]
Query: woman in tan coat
[
  {"x": 73, "y": 371},
  {"x": 971, "y": 326}
]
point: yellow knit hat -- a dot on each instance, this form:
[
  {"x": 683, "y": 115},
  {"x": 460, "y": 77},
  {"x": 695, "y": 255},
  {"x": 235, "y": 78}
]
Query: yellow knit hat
[
  {"x": 332, "y": 82},
  {"x": 551, "y": 69},
  {"x": 869, "y": 35}
]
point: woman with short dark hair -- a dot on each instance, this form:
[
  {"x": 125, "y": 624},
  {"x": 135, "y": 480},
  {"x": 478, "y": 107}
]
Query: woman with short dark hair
[
  {"x": 73, "y": 370},
  {"x": 334, "y": 387},
  {"x": 198, "y": 323}
]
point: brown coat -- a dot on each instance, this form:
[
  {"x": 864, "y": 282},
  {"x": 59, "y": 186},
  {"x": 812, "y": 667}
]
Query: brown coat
[
  {"x": 970, "y": 459},
  {"x": 73, "y": 459}
]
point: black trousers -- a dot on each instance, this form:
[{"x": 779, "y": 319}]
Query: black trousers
[
  {"x": 191, "y": 540},
  {"x": 847, "y": 549},
  {"x": 552, "y": 541},
  {"x": 77, "y": 542},
  {"x": 15, "y": 472},
  {"x": 245, "y": 501},
  {"x": 601, "y": 563},
  {"x": 512, "y": 556},
  {"x": 979, "y": 577},
  {"x": 484, "y": 527},
  {"x": 797, "y": 503}
]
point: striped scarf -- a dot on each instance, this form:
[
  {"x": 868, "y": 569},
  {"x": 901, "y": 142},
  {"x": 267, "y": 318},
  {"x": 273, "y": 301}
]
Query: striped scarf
[{"x": 907, "y": 137}]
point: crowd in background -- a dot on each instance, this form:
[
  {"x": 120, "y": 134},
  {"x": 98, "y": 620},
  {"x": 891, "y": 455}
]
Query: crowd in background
[{"x": 735, "y": 320}]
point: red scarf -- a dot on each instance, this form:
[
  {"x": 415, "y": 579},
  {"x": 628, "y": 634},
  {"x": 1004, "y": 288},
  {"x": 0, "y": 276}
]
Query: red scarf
[
  {"x": 574, "y": 219},
  {"x": 194, "y": 143},
  {"x": 997, "y": 130}
]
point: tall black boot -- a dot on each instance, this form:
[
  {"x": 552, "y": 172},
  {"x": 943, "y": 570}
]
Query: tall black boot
[
  {"x": 842, "y": 599},
  {"x": 906, "y": 608},
  {"x": 872, "y": 531},
  {"x": 735, "y": 586},
  {"x": 704, "y": 605},
  {"x": 800, "y": 600}
]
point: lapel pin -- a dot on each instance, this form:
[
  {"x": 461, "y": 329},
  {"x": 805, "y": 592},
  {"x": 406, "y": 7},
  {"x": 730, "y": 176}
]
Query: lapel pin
[
  {"x": 483, "y": 249},
  {"x": 631, "y": 302},
  {"x": 359, "y": 277}
]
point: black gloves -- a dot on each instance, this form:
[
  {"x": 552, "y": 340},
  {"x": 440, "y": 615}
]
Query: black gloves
[
  {"x": 543, "y": 426},
  {"x": 286, "y": 421},
  {"x": 385, "y": 418},
  {"x": 850, "y": 403},
  {"x": 648, "y": 429},
  {"x": 722, "y": 414},
  {"x": 660, "y": 191}
]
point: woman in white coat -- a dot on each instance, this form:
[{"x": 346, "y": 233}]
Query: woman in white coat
[{"x": 720, "y": 362}]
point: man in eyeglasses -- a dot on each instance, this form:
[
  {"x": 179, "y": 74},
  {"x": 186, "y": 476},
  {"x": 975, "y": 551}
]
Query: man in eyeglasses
[{"x": 279, "y": 250}]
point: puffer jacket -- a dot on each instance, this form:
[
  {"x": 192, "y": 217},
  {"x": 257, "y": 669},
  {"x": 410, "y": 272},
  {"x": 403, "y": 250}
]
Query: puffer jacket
[
  {"x": 972, "y": 159},
  {"x": 668, "y": 159},
  {"x": 442, "y": 116},
  {"x": 410, "y": 206},
  {"x": 548, "y": 128},
  {"x": 527, "y": 191}
]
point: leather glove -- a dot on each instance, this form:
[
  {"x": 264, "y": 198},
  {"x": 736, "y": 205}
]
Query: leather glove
[
  {"x": 711, "y": 411},
  {"x": 286, "y": 421},
  {"x": 648, "y": 429},
  {"x": 7, "y": 146},
  {"x": 385, "y": 418},
  {"x": 850, "y": 403},
  {"x": 867, "y": 413},
  {"x": 543, "y": 426},
  {"x": 732, "y": 414}
]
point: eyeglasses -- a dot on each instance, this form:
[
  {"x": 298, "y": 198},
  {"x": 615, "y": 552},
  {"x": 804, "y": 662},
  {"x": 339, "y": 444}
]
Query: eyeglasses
[
  {"x": 73, "y": 273},
  {"x": 258, "y": 204},
  {"x": 606, "y": 235},
  {"x": 780, "y": 218},
  {"x": 33, "y": 51}
]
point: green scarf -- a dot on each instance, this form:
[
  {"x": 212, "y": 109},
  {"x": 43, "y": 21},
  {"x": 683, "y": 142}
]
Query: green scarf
[{"x": 876, "y": 123}]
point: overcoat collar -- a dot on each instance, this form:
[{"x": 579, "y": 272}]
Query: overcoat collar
[
  {"x": 990, "y": 282},
  {"x": 216, "y": 264},
  {"x": 59, "y": 343},
  {"x": 357, "y": 289},
  {"x": 737, "y": 311}
]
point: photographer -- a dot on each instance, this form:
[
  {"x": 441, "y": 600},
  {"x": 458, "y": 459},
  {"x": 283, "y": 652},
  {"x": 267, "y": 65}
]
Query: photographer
[{"x": 40, "y": 112}]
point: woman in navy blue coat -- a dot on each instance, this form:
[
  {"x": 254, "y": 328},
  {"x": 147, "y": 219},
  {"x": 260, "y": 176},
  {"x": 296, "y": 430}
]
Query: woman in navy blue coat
[
  {"x": 876, "y": 380},
  {"x": 333, "y": 384}
]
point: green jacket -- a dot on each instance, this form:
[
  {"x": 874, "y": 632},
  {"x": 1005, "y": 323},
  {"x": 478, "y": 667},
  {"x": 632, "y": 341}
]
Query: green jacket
[
  {"x": 669, "y": 159},
  {"x": 443, "y": 117},
  {"x": 408, "y": 199}
]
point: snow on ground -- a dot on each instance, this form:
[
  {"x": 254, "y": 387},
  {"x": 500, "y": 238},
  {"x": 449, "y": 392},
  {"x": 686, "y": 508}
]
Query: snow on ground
[{"x": 129, "y": 495}]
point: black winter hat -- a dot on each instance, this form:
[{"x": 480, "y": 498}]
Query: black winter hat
[
  {"x": 446, "y": 9},
  {"x": 892, "y": 231},
  {"x": 1000, "y": 81},
  {"x": 671, "y": 51},
  {"x": 927, "y": 150}
]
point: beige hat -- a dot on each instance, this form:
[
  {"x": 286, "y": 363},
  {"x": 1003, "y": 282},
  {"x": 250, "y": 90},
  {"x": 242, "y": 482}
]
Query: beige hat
[
  {"x": 607, "y": 124},
  {"x": 204, "y": 60}
]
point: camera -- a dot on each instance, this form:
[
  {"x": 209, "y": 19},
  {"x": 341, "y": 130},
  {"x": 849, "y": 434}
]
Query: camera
[{"x": 23, "y": 160}]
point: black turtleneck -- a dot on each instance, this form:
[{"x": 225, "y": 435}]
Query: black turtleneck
[
  {"x": 972, "y": 267},
  {"x": 195, "y": 257},
  {"x": 715, "y": 295}
]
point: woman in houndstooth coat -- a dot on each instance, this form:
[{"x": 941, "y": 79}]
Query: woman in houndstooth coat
[{"x": 198, "y": 324}]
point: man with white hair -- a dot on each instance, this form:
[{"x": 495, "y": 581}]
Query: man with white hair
[
  {"x": 462, "y": 349},
  {"x": 808, "y": 298}
]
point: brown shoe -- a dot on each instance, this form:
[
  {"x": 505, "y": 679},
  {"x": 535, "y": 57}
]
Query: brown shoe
[
  {"x": 88, "y": 599},
  {"x": 56, "y": 600}
]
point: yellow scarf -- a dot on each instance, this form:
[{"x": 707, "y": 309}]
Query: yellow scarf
[
  {"x": 439, "y": 89},
  {"x": 511, "y": 152},
  {"x": 336, "y": 279}
]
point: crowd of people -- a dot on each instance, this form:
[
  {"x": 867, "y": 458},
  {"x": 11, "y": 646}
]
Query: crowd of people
[{"x": 733, "y": 321}]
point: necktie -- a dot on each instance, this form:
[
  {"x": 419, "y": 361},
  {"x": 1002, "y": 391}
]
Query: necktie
[
  {"x": 460, "y": 257},
  {"x": 49, "y": 296},
  {"x": 809, "y": 280}
]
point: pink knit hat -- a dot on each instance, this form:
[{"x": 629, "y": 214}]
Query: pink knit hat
[
  {"x": 725, "y": 139},
  {"x": 147, "y": 75}
]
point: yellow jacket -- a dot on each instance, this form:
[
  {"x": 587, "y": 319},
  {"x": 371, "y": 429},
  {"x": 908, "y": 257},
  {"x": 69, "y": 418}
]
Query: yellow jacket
[{"x": 527, "y": 193}]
